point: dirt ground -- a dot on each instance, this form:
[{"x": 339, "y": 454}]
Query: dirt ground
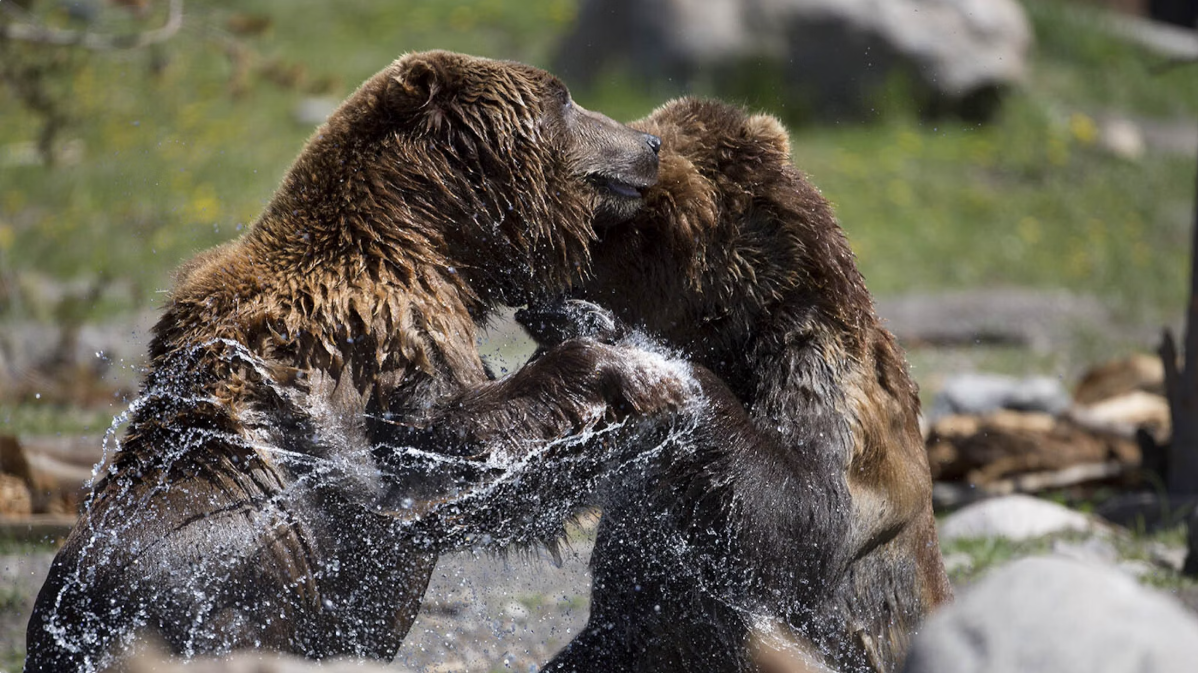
[
  {"x": 482, "y": 612},
  {"x": 486, "y": 613}
]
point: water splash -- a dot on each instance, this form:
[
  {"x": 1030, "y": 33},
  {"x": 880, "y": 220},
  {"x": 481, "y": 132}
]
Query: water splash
[{"x": 513, "y": 495}]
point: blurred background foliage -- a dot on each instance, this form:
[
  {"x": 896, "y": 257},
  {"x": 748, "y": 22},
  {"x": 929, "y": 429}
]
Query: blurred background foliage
[
  {"x": 181, "y": 144},
  {"x": 159, "y": 152}
]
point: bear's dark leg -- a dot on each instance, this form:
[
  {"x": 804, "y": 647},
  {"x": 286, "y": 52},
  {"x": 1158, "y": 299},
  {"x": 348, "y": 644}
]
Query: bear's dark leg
[
  {"x": 207, "y": 566},
  {"x": 224, "y": 576},
  {"x": 721, "y": 528},
  {"x": 371, "y": 591},
  {"x": 649, "y": 611}
]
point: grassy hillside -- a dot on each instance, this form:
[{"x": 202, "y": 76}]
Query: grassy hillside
[
  {"x": 180, "y": 159},
  {"x": 178, "y": 147},
  {"x": 176, "y": 161}
]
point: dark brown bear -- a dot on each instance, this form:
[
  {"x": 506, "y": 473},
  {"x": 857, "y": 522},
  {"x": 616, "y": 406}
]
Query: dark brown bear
[
  {"x": 805, "y": 535},
  {"x": 243, "y": 508}
]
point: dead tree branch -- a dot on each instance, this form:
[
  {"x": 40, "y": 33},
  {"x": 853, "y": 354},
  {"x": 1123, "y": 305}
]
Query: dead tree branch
[{"x": 1181, "y": 386}]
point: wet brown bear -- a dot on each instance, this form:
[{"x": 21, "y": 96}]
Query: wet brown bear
[
  {"x": 243, "y": 507},
  {"x": 808, "y": 532}
]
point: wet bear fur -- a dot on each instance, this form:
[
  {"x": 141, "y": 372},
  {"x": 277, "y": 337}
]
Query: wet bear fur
[
  {"x": 244, "y": 507},
  {"x": 804, "y": 534}
]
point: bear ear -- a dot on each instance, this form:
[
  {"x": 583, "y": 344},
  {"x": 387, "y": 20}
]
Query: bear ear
[
  {"x": 421, "y": 80},
  {"x": 767, "y": 128}
]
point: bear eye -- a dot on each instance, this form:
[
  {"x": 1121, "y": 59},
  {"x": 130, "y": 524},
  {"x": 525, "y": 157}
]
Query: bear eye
[{"x": 563, "y": 95}]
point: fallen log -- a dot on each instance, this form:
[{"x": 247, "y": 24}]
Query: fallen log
[
  {"x": 1137, "y": 372},
  {"x": 55, "y": 471},
  {"x": 15, "y": 498},
  {"x": 1126, "y": 414},
  {"x": 987, "y": 449},
  {"x": 955, "y": 494}
]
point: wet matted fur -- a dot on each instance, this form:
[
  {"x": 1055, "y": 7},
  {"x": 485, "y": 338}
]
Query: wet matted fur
[
  {"x": 806, "y": 531},
  {"x": 244, "y": 507}
]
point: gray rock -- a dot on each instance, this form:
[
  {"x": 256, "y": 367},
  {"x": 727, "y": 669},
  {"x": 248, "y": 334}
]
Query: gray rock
[
  {"x": 1044, "y": 321},
  {"x": 1015, "y": 517},
  {"x": 1170, "y": 136},
  {"x": 1136, "y": 569},
  {"x": 1090, "y": 550},
  {"x": 313, "y": 111},
  {"x": 1123, "y": 138},
  {"x": 1167, "y": 556},
  {"x": 978, "y": 394},
  {"x": 1172, "y": 42},
  {"x": 833, "y": 55},
  {"x": 957, "y": 562},
  {"x": 115, "y": 349},
  {"x": 1047, "y": 615}
]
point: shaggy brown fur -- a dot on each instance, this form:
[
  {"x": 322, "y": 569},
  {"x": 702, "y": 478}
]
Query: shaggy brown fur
[
  {"x": 244, "y": 507},
  {"x": 812, "y": 523}
]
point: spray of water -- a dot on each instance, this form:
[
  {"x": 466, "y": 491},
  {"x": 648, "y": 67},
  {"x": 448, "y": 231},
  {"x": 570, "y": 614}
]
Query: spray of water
[{"x": 504, "y": 495}]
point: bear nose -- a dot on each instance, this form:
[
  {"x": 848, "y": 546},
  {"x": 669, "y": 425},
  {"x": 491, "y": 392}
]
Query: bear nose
[{"x": 654, "y": 142}]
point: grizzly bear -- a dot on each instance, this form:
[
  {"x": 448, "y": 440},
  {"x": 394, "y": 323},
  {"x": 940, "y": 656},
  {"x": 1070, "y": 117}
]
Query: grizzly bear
[
  {"x": 805, "y": 535},
  {"x": 244, "y": 507}
]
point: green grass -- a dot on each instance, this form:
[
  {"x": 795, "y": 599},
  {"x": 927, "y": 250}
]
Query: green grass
[
  {"x": 986, "y": 554},
  {"x": 29, "y": 419},
  {"x": 1116, "y": 75},
  {"x": 12, "y": 546},
  {"x": 1022, "y": 202},
  {"x": 176, "y": 163},
  {"x": 989, "y": 553},
  {"x": 11, "y": 599},
  {"x": 179, "y": 159}
]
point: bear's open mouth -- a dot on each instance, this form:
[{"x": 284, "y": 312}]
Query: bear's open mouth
[{"x": 618, "y": 186}]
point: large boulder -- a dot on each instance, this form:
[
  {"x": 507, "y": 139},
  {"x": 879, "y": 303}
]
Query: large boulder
[
  {"x": 828, "y": 57},
  {"x": 1015, "y": 517},
  {"x": 1051, "y": 615},
  {"x": 982, "y": 393}
]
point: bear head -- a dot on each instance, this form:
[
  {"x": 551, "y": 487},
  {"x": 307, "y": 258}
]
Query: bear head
[
  {"x": 731, "y": 233},
  {"x": 483, "y": 167}
]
